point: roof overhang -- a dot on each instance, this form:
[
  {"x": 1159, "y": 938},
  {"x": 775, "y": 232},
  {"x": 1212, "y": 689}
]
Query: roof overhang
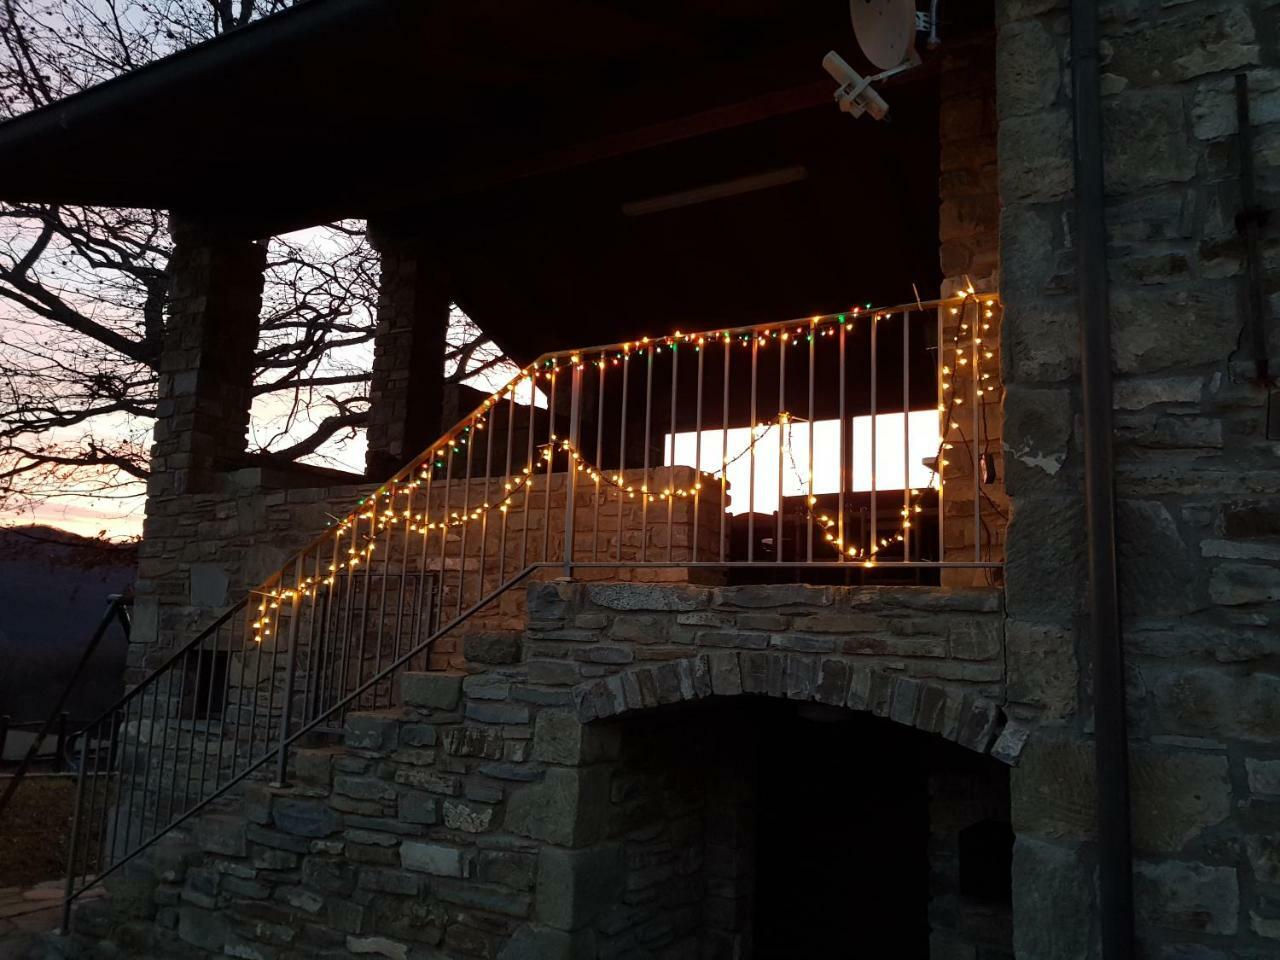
[{"x": 524, "y": 135}]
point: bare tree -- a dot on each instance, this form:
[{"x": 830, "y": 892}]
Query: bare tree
[{"x": 83, "y": 290}]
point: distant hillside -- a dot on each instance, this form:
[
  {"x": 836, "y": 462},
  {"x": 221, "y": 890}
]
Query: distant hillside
[{"x": 53, "y": 591}]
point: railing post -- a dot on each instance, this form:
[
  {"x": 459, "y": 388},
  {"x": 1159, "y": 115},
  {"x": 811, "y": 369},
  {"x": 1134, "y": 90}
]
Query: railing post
[
  {"x": 571, "y": 479},
  {"x": 290, "y": 669},
  {"x": 60, "y": 743},
  {"x": 74, "y": 844}
]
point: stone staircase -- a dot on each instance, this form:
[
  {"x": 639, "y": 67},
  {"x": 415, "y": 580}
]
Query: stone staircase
[{"x": 501, "y": 812}]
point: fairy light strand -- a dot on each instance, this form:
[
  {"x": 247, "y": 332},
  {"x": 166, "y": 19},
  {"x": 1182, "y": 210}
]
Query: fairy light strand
[{"x": 795, "y": 333}]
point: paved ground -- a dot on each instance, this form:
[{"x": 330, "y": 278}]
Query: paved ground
[{"x": 26, "y": 913}]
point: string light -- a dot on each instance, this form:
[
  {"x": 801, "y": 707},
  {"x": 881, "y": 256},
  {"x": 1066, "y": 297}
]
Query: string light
[{"x": 548, "y": 368}]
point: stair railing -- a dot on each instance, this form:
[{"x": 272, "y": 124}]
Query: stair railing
[{"x": 570, "y": 468}]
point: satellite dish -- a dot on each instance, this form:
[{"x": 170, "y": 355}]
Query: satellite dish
[{"x": 886, "y": 30}]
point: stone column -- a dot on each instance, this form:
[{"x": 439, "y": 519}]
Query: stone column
[
  {"x": 969, "y": 255},
  {"x": 206, "y": 364},
  {"x": 408, "y": 355}
]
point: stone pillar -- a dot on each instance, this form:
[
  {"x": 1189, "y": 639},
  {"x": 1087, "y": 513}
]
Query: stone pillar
[
  {"x": 408, "y": 356},
  {"x": 206, "y": 363},
  {"x": 969, "y": 256}
]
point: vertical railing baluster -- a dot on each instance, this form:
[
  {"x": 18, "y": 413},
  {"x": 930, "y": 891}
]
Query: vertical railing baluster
[
  {"x": 648, "y": 442},
  {"x": 487, "y": 421},
  {"x": 333, "y": 620},
  {"x": 342, "y": 664},
  {"x": 697, "y": 452},
  {"x": 108, "y": 827},
  {"x": 146, "y": 767},
  {"x": 671, "y": 468},
  {"x": 367, "y": 561},
  {"x": 529, "y": 472},
  {"x": 423, "y": 611},
  {"x": 784, "y": 437},
  {"x": 164, "y": 744},
  {"x": 313, "y": 612},
  {"x": 74, "y": 843},
  {"x": 290, "y": 669},
  {"x": 601, "y": 363},
  {"x": 974, "y": 366},
  {"x": 944, "y": 428},
  {"x": 846, "y": 465},
  {"x": 875, "y": 515},
  {"x": 388, "y": 520},
  {"x": 182, "y": 692},
  {"x": 813, "y": 426},
  {"x": 724, "y": 450},
  {"x": 551, "y": 459},
  {"x": 470, "y": 441},
  {"x": 195, "y": 712},
  {"x": 507, "y": 485},
  {"x": 622, "y": 445},
  {"x": 228, "y": 630},
  {"x": 445, "y": 518},
  {"x": 906, "y": 435},
  {"x": 571, "y": 465},
  {"x": 751, "y": 454}
]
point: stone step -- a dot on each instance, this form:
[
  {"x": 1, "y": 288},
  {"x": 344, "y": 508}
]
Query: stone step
[
  {"x": 497, "y": 647},
  {"x": 433, "y": 690}
]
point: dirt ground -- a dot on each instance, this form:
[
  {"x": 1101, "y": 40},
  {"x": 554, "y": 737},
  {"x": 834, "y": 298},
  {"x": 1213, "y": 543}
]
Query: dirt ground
[{"x": 34, "y": 831}]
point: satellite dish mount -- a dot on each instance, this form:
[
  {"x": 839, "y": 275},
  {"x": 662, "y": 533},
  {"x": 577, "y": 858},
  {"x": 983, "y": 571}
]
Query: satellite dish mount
[{"x": 886, "y": 31}]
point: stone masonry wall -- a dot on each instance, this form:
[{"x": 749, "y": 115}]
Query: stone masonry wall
[
  {"x": 200, "y": 553},
  {"x": 1197, "y": 480},
  {"x": 501, "y": 813},
  {"x": 969, "y": 255}
]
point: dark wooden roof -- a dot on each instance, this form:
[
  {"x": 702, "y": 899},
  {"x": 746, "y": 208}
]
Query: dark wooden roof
[{"x": 515, "y": 133}]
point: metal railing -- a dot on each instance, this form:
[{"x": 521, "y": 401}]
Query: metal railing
[{"x": 574, "y": 467}]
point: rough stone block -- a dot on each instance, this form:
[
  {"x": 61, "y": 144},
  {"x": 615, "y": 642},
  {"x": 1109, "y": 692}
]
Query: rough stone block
[
  {"x": 575, "y": 886},
  {"x": 1264, "y": 777},
  {"x": 436, "y": 691},
  {"x": 1053, "y": 888},
  {"x": 531, "y": 942},
  {"x": 646, "y": 596},
  {"x": 222, "y": 834},
  {"x": 726, "y": 674},
  {"x": 436, "y": 859},
  {"x": 559, "y": 737},
  {"x": 466, "y": 817},
  {"x": 305, "y": 818},
  {"x": 1180, "y": 895},
  {"x": 490, "y": 712},
  {"x": 1176, "y": 793},
  {"x": 415, "y": 808},
  {"x": 492, "y": 648},
  {"x": 1009, "y": 745},
  {"x": 569, "y": 807},
  {"x": 758, "y": 596},
  {"x": 205, "y": 929},
  {"x": 378, "y": 947}
]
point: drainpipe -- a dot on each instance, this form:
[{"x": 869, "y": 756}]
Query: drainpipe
[{"x": 1115, "y": 853}]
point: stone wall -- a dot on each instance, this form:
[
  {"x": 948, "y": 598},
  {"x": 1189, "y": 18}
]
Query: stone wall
[
  {"x": 494, "y": 814},
  {"x": 1197, "y": 481},
  {"x": 202, "y": 552},
  {"x": 969, "y": 255}
]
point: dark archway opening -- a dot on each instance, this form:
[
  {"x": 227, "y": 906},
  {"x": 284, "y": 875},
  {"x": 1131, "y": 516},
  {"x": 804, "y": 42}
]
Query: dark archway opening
[
  {"x": 842, "y": 859},
  {"x": 768, "y": 829}
]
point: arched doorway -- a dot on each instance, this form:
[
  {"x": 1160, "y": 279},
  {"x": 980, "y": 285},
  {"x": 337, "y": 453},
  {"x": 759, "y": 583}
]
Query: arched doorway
[{"x": 765, "y": 828}]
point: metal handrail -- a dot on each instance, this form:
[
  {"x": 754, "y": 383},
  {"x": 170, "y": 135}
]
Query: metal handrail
[{"x": 378, "y": 590}]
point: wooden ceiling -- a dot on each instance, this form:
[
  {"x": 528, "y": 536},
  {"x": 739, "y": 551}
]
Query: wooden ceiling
[{"x": 513, "y": 134}]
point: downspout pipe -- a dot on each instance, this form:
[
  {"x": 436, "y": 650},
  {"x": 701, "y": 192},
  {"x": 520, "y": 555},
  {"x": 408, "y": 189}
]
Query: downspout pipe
[{"x": 1111, "y": 736}]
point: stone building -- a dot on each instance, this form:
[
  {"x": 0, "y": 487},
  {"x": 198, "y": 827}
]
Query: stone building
[{"x": 564, "y": 704}]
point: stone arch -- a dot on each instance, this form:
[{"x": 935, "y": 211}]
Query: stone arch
[{"x": 954, "y": 713}]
